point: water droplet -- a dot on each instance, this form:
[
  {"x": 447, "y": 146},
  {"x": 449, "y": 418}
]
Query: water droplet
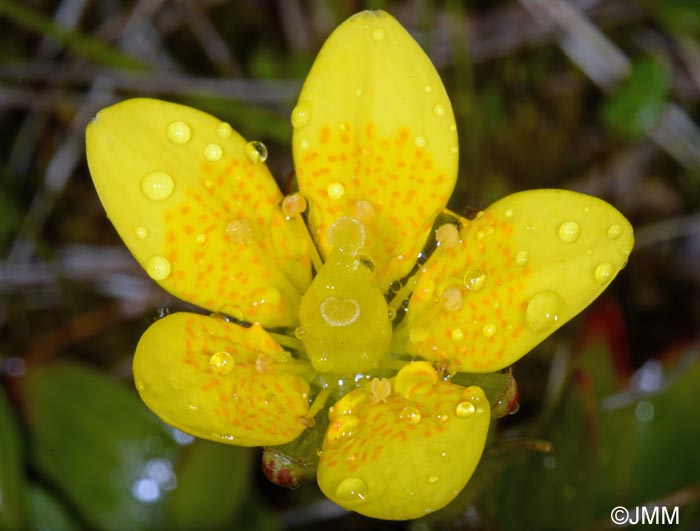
[
  {"x": 213, "y": 152},
  {"x": 193, "y": 407},
  {"x": 301, "y": 115},
  {"x": 465, "y": 410},
  {"x": 342, "y": 427},
  {"x": 543, "y": 311},
  {"x": 304, "y": 143},
  {"x": 410, "y": 415},
  {"x": 420, "y": 141},
  {"x": 489, "y": 330},
  {"x": 299, "y": 332},
  {"x": 140, "y": 385},
  {"x": 157, "y": 185},
  {"x": 335, "y": 190},
  {"x": 457, "y": 334},
  {"x": 221, "y": 363},
  {"x": 364, "y": 211},
  {"x": 433, "y": 479},
  {"x": 240, "y": 230},
  {"x": 474, "y": 280},
  {"x": 509, "y": 213},
  {"x": 255, "y": 151},
  {"x": 522, "y": 258},
  {"x": 391, "y": 314},
  {"x": 454, "y": 149},
  {"x": 351, "y": 489},
  {"x": 200, "y": 238},
  {"x": 614, "y": 231},
  {"x": 452, "y": 298},
  {"x": 378, "y": 34},
  {"x": 604, "y": 272},
  {"x": 141, "y": 233},
  {"x": 439, "y": 110},
  {"x": 340, "y": 312},
  {"x": 428, "y": 88},
  {"x": 223, "y": 130},
  {"x": 208, "y": 184},
  {"x": 158, "y": 268},
  {"x": 178, "y": 133},
  {"x": 417, "y": 335},
  {"x": 569, "y": 231},
  {"x": 359, "y": 92}
]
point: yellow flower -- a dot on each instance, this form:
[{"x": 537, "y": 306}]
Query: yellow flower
[{"x": 362, "y": 276}]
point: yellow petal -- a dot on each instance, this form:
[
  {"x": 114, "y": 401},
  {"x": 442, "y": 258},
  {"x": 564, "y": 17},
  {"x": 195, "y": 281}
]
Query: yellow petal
[
  {"x": 220, "y": 381},
  {"x": 198, "y": 211},
  {"x": 402, "y": 454},
  {"x": 520, "y": 270},
  {"x": 375, "y": 139}
]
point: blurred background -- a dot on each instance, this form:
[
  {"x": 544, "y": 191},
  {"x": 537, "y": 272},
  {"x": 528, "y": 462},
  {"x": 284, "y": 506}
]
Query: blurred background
[{"x": 598, "y": 96}]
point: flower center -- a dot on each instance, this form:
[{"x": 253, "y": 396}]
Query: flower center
[{"x": 343, "y": 315}]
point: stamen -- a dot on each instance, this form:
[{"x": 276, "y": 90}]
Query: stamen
[
  {"x": 379, "y": 390},
  {"x": 320, "y": 401}
]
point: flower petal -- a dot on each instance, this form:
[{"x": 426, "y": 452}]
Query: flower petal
[
  {"x": 197, "y": 212},
  {"x": 220, "y": 381},
  {"x": 520, "y": 270},
  {"x": 405, "y": 454},
  {"x": 375, "y": 138}
]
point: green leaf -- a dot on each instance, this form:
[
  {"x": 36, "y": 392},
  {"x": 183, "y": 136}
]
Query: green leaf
[
  {"x": 683, "y": 15},
  {"x": 45, "y": 513},
  {"x": 212, "y": 481},
  {"x": 11, "y": 470},
  {"x": 96, "y": 441},
  {"x": 634, "y": 109}
]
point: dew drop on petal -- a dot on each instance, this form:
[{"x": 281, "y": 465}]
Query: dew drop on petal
[
  {"x": 522, "y": 258},
  {"x": 239, "y": 231},
  {"x": 178, "y": 133},
  {"x": 457, "y": 334},
  {"x": 304, "y": 143},
  {"x": 301, "y": 115},
  {"x": 428, "y": 88},
  {"x": 433, "y": 479},
  {"x": 569, "y": 231},
  {"x": 614, "y": 231},
  {"x": 335, "y": 190},
  {"x": 420, "y": 141},
  {"x": 439, "y": 110},
  {"x": 364, "y": 211},
  {"x": 508, "y": 213},
  {"x": 223, "y": 130},
  {"x": 454, "y": 149},
  {"x": 200, "y": 238},
  {"x": 543, "y": 311},
  {"x": 221, "y": 363},
  {"x": 157, "y": 185},
  {"x": 410, "y": 415},
  {"x": 359, "y": 92},
  {"x": 465, "y": 410},
  {"x": 489, "y": 330},
  {"x": 378, "y": 34},
  {"x": 474, "y": 279},
  {"x": 452, "y": 298},
  {"x": 604, "y": 272},
  {"x": 351, "y": 488},
  {"x": 255, "y": 151},
  {"x": 213, "y": 152},
  {"x": 141, "y": 233},
  {"x": 158, "y": 268}
]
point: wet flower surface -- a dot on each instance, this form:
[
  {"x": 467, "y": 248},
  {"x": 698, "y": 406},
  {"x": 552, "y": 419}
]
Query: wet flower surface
[{"x": 358, "y": 297}]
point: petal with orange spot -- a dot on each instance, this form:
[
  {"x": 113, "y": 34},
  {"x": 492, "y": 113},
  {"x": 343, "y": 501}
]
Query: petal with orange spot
[
  {"x": 403, "y": 455},
  {"x": 197, "y": 210},
  {"x": 517, "y": 272},
  {"x": 375, "y": 139},
  {"x": 217, "y": 380}
]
